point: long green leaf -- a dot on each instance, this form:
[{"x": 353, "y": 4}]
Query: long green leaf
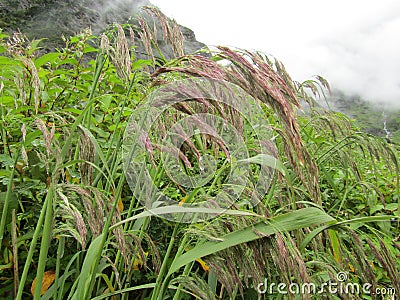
[
  {"x": 286, "y": 222},
  {"x": 174, "y": 209},
  {"x": 49, "y": 57},
  {"x": 318, "y": 230},
  {"x": 89, "y": 268}
]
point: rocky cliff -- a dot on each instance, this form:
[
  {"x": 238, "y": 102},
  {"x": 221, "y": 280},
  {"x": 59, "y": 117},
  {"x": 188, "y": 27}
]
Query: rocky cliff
[{"x": 51, "y": 19}]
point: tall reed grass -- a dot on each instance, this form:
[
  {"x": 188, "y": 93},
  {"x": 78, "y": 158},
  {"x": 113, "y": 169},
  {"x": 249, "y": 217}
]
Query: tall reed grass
[{"x": 332, "y": 206}]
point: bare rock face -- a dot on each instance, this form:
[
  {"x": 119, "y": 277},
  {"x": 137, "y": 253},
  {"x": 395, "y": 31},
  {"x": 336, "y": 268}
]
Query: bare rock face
[{"x": 52, "y": 19}]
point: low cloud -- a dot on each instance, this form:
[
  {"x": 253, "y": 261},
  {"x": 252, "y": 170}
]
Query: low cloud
[
  {"x": 117, "y": 10},
  {"x": 354, "y": 44},
  {"x": 364, "y": 60}
]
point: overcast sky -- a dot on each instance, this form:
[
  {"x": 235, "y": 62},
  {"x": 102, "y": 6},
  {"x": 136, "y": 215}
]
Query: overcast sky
[{"x": 354, "y": 44}]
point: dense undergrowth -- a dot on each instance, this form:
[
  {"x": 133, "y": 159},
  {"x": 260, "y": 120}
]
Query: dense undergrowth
[{"x": 70, "y": 227}]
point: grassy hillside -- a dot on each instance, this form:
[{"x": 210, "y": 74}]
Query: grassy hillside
[
  {"x": 369, "y": 117},
  {"x": 184, "y": 178}
]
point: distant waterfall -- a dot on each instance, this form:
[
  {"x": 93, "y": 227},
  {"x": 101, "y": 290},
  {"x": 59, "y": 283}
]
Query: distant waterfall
[{"x": 385, "y": 129}]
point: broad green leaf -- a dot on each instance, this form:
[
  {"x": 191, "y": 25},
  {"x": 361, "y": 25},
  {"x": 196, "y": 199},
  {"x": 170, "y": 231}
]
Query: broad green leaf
[
  {"x": 392, "y": 206},
  {"x": 8, "y": 61},
  {"x": 89, "y": 49},
  {"x": 32, "y": 136},
  {"x": 71, "y": 61},
  {"x": 105, "y": 101},
  {"x": 49, "y": 57},
  {"x": 140, "y": 63},
  {"x": 5, "y": 173},
  {"x": 7, "y": 100},
  {"x": 34, "y": 46},
  {"x": 376, "y": 208}
]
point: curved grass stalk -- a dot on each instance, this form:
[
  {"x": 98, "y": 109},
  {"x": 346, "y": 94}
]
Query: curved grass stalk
[
  {"x": 4, "y": 213},
  {"x": 123, "y": 291}
]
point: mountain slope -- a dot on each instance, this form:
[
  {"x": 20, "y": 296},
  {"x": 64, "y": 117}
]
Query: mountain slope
[
  {"x": 51, "y": 19},
  {"x": 377, "y": 120}
]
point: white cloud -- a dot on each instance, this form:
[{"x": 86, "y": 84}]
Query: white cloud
[{"x": 354, "y": 44}]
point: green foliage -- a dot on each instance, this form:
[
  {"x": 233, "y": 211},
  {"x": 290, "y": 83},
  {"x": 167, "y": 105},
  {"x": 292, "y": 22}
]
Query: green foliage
[{"x": 333, "y": 204}]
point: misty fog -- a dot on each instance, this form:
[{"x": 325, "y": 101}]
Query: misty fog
[{"x": 355, "y": 44}]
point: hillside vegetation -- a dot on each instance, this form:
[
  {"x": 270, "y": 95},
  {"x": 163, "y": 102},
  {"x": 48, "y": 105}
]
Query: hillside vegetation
[
  {"x": 379, "y": 120},
  {"x": 301, "y": 198}
]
